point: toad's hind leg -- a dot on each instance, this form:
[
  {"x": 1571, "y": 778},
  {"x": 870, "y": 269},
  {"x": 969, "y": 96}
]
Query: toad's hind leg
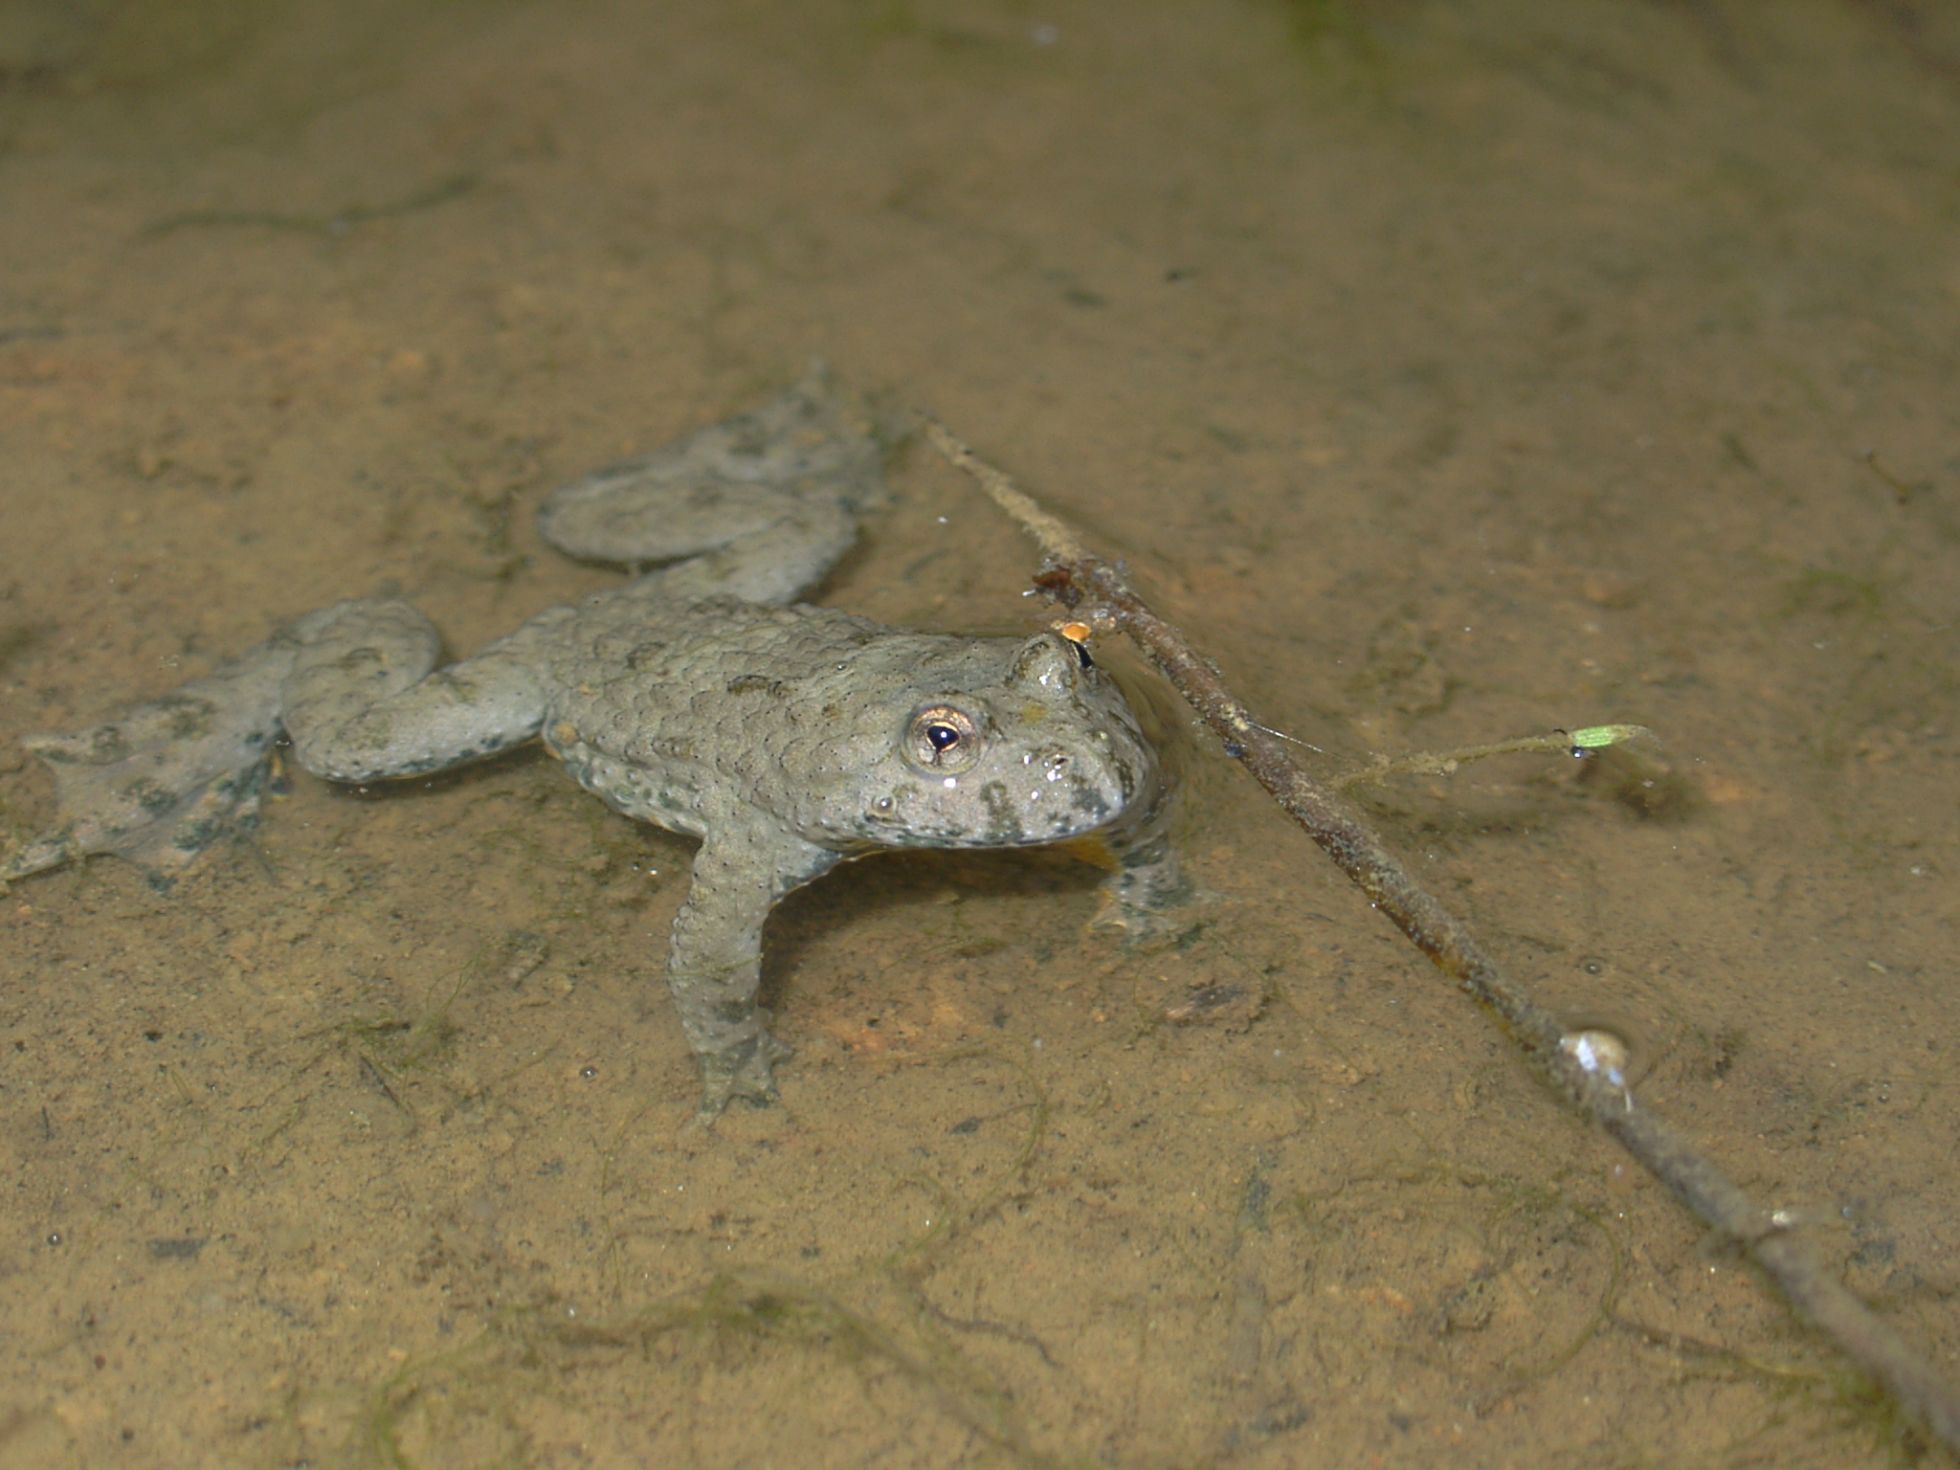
[
  {"x": 758, "y": 507},
  {"x": 161, "y": 781},
  {"x": 364, "y": 701}
]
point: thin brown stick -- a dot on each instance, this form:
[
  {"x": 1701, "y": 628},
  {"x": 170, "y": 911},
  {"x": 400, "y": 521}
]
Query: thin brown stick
[{"x": 1582, "y": 1066}]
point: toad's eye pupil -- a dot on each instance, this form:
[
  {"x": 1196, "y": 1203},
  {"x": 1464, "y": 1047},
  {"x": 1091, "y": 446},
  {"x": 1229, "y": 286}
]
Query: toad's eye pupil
[{"x": 942, "y": 737}]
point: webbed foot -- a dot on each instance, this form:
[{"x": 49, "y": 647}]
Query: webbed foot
[
  {"x": 164, "y": 780},
  {"x": 1173, "y": 924},
  {"x": 746, "y": 1070}
]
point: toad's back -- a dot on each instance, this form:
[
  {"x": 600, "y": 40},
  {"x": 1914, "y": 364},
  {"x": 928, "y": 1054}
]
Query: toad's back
[{"x": 839, "y": 732}]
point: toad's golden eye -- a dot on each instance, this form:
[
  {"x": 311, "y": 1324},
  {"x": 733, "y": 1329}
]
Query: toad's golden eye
[{"x": 941, "y": 740}]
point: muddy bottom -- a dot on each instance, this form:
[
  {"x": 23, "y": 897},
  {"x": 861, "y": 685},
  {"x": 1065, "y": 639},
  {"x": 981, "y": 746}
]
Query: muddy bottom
[{"x": 1449, "y": 372}]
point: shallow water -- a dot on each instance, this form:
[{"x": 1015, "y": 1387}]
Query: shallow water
[{"x": 1449, "y": 371}]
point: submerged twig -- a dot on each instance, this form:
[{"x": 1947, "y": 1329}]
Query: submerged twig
[{"x": 1585, "y": 1066}]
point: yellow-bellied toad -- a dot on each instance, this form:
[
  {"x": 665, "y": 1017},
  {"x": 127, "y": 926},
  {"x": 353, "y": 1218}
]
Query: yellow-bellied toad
[{"x": 699, "y": 696}]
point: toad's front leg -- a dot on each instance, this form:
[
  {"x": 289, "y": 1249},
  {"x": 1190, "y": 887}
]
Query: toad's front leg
[
  {"x": 714, "y": 966},
  {"x": 1145, "y": 883}
]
